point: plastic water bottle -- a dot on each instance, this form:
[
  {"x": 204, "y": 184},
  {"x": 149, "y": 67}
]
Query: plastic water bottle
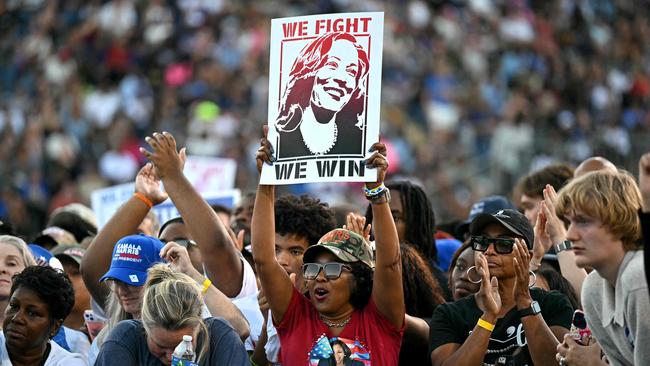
[{"x": 184, "y": 353}]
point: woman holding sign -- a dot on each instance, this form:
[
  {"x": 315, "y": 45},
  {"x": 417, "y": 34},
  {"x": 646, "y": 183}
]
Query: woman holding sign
[
  {"x": 350, "y": 296},
  {"x": 322, "y": 108}
]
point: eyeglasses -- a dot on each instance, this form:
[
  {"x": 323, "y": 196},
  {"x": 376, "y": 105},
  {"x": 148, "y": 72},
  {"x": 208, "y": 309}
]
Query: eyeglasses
[
  {"x": 181, "y": 241},
  {"x": 114, "y": 284},
  {"x": 501, "y": 245},
  {"x": 331, "y": 271}
]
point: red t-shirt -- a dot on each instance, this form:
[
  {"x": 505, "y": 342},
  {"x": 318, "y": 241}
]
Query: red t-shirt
[{"x": 305, "y": 340}]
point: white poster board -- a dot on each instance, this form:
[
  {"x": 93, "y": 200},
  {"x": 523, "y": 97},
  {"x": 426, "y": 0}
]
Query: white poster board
[
  {"x": 213, "y": 178},
  {"x": 324, "y": 97}
]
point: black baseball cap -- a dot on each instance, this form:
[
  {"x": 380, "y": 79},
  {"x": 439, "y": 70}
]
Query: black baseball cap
[
  {"x": 490, "y": 204},
  {"x": 513, "y": 220}
]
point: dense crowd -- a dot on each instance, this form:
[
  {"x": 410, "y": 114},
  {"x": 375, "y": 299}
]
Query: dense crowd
[
  {"x": 502, "y": 109},
  {"x": 468, "y": 88}
]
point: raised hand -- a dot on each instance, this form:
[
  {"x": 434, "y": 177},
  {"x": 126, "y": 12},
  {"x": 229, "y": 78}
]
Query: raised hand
[
  {"x": 265, "y": 152},
  {"x": 357, "y": 224},
  {"x": 487, "y": 297},
  {"x": 377, "y": 160},
  {"x": 179, "y": 260},
  {"x": 168, "y": 161},
  {"x": 147, "y": 183},
  {"x": 520, "y": 261},
  {"x": 644, "y": 180},
  {"x": 554, "y": 226},
  {"x": 542, "y": 242}
]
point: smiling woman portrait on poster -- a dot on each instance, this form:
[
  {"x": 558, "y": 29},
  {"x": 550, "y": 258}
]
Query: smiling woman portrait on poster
[{"x": 322, "y": 109}]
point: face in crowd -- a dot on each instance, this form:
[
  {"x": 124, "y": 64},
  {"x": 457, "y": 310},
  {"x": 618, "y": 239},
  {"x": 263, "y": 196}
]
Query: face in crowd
[
  {"x": 461, "y": 285},
  {"x": 11, "y": 262},
  {"x": 330, "y": 292},
  {"x": 289, "y": 250},
  {"x": 499, "y": 264}
]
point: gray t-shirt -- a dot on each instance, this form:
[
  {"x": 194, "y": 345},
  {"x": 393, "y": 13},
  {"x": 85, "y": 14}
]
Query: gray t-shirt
[{"x": 127, "y": 345}]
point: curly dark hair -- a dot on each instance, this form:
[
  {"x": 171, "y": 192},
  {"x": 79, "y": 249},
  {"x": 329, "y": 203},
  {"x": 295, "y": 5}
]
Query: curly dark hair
[
  {"x": 303, "y": 216},
  {"x": 419, "y": 217},
  {"x": 362, "y": 289},
  {"x": 51, "y": 285},
  {"x": 422, "y": 293}
]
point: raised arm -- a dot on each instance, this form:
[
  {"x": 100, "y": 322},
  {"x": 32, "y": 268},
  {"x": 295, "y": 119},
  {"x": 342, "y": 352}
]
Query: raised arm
[
  {"x": 215, "y": 300},
  {"x": 542, "y": 340},
  {"x": 124, "y": 222},
  {"x": 472, "y": 351},
  {"x": 221, "y": 260},
  {"x": 387, "y": 290},
  {"x": 556, "y": 233},
  {"x": 275, "y": 280}
]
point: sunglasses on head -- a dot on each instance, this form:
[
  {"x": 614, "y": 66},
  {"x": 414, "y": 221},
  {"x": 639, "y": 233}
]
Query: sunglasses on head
[
  {"x": 501, "y": 245},
  {"x": 331, "y": 271}
]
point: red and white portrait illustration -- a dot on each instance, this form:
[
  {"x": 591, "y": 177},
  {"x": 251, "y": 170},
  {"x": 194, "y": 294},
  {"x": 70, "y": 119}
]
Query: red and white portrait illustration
[
  {"x": 322, "y": 108},
  {"x": 324, "y": 97}
]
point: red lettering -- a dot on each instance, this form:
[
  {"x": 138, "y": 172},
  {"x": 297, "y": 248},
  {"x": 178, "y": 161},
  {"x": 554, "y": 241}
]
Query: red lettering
[
  {"x": 347, "y": 25},
  {"x": 289, "y": 29},
  {"x": 365, "y": 24},
  {"x": 303, "y": 29}
]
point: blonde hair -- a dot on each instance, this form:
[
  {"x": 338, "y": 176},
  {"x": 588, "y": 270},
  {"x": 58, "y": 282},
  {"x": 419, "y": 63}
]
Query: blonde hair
[
  {"x": 613, "y": 198},
  {"x": 18, "y": 243},
  {"x": 172, "y": 301},
  {"x": 115, "y": 315}
]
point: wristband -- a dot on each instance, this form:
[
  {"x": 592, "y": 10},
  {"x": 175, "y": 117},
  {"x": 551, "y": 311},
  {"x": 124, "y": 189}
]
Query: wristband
[
  {"x": 485, "y": 325},
  {"x": 144, "y": 199},
  {"x": 375, "y": 191},
  {"x": 206, "y": 285}
]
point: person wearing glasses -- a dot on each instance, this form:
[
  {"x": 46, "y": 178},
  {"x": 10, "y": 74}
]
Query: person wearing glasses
[
  {"x": 132, "y": 256},
  {"x": 506, "y": 322},
  {"x": 349, "y": 295}
]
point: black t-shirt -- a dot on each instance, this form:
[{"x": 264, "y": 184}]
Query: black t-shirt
[{"x": 454, "y": 322}]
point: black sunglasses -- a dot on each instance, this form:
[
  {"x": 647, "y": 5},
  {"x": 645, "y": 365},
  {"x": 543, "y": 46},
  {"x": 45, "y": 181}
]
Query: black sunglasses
[
  {"x": 501, "y": 245},
  {"x": 331, "y": 271}
]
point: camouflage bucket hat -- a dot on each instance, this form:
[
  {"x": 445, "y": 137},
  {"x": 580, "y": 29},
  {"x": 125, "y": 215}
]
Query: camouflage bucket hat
[{"x": 346, "y": 245}]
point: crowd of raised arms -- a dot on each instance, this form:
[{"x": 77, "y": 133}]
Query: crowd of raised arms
[{"x": 278, "y": 281}]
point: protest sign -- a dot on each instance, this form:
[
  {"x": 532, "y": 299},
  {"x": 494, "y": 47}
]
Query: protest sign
[
  {"x": 324, "y": 97},
  {"x": 213, "y": 178}
]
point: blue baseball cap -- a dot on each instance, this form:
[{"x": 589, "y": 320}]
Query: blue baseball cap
[
  {"x": 132, "y": 257},
  {"x": 43, "y": 257},
  {"x": 489, "y": 205},
  {"x": 446, "y": 249}
]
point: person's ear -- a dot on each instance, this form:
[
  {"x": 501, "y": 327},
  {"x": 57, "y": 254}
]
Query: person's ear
[{"x": 55, "y": 328}]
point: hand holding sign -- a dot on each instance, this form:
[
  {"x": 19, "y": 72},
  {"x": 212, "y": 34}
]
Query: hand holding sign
[
  {"x": 265, "y": 152},
  {"x": 377, "y": 160}
]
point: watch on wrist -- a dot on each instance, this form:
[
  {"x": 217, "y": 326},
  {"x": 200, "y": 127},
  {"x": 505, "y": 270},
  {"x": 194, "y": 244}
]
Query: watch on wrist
[
  {"x": 533, "y": 309},
  {"x": 565, "y": 245}
]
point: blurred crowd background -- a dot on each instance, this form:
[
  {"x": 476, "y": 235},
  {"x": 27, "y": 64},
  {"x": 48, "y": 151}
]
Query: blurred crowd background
[{"x": 475, "y": 92}]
